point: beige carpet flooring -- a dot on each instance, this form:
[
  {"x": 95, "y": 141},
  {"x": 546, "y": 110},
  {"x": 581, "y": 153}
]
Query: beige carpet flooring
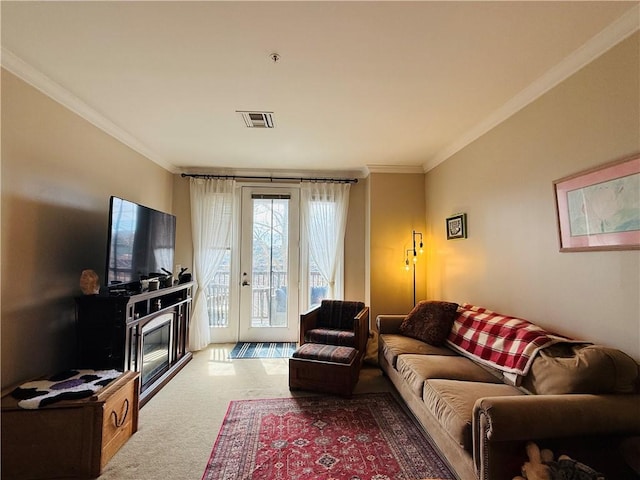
[{"x": 179, "y": 425}]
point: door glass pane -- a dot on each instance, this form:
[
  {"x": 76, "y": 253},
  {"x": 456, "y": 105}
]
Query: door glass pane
[
  {"x": 269, "y": 262},
  {"x": 218, "y": 294}
]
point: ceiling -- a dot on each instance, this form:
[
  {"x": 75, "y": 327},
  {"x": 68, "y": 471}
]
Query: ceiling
[{"x": 359, "y": 85}]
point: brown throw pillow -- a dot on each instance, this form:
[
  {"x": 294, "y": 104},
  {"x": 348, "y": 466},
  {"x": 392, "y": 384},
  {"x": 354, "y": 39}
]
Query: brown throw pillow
[{"x": 430, "y": 321}]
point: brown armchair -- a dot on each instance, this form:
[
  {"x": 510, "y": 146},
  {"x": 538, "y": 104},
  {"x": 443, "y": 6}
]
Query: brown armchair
[{"x": 337, "y": 322}]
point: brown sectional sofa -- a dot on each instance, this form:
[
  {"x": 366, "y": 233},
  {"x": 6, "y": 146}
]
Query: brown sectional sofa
[{"x": 579, "y": 400}]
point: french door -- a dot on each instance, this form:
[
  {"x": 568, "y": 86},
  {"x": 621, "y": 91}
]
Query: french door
[{"x": 269, "y": 258}]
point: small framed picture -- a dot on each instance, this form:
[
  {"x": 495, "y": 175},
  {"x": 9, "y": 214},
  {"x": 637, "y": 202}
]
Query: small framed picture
[{"x": 457, "y": 226}]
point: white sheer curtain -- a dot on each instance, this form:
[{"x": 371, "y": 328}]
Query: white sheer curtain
[
  {"x": 324, "y": 218},
  {"x": 211, "y": 225}
]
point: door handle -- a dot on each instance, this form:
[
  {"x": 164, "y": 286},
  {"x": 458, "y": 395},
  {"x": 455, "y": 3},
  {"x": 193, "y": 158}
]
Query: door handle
[{"x": 245, "y": 282}]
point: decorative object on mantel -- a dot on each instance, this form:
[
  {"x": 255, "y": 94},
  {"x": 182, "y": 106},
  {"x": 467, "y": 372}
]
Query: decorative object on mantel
[
  {"x": 414, "y": 252},
  {"x": 184, "y": 277},
  {"x": 457, "y": 226},
  {"x": 154, "y": 284},
  {"x": 89, "y": 282},
  {"x": 68, "y": 385},
  {"x": 599, "y": 208},
  {"x": 167, "y": 280}
]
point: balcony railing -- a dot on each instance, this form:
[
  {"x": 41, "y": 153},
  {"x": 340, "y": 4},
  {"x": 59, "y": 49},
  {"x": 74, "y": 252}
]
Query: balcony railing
[{"x": 269, "y": 298}]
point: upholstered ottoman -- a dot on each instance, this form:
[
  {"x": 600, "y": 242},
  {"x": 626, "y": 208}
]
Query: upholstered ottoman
[{"x": 324, "y": 368}]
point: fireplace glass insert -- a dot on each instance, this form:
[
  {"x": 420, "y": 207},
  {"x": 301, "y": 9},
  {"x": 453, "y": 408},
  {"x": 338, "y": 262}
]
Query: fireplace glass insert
[{"x": 156, "y": 348}]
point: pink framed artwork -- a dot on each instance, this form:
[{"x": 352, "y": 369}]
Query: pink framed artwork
[{"x": 599, "y": 209}]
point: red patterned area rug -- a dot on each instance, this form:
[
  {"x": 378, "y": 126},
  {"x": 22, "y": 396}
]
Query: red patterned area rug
[{"x": 366, "y": 437}]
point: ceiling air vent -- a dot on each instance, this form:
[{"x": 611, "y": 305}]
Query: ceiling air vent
[{"x": 257, "y": 119}]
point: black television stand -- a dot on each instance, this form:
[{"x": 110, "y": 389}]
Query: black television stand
[{"x": 145, "y": 332}]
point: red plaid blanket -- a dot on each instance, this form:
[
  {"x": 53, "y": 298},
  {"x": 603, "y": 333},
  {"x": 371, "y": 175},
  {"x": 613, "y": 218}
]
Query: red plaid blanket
[{"x": 506, "y": 343}]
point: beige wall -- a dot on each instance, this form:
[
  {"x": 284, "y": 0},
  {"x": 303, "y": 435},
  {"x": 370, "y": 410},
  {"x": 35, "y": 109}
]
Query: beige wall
[
  {"x": 182, "y": 211},
  {"x": 58, "y": 172},
  {"x": 354, "y": 252},
  {"x": 503, "y": 181},
  {"x": 396, "y": 208}
]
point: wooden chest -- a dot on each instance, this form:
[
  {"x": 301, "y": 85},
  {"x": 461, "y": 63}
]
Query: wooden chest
[{"x": 69, "y": 439}]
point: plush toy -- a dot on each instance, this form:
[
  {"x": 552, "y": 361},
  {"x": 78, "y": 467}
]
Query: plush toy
[
  {"x": 535, "y": 469},
  {"x": 542, "y": 467}
]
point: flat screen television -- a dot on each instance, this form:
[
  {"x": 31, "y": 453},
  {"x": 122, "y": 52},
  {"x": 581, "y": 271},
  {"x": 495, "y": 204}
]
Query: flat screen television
[{"x": 141, "y": 243}]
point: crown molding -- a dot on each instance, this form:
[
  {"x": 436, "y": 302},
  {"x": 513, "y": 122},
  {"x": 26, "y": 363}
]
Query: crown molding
[
  {"x": 616, "y": 32},
  {"x": 412, "y": 169},
  {"x": 55, "y": 91}
]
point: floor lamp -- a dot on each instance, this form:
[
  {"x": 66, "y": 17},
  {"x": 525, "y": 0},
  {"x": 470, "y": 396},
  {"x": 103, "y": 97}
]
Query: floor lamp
[{"x": 417, "y": 248}]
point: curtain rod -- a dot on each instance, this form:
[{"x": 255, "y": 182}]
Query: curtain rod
[{"x": 271, "y": 179}]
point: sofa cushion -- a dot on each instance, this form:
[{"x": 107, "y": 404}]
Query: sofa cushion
[
  {"x": 565, "y": 368},
  {"x": 326, "y": 353},
  {"x": 416, "y": 369},
  {"x": 430, "y": 321},
  {"x": 331, "y": 336},
  {"x": 393, "y": 345},
  {"x": 451, "y": 403}
]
